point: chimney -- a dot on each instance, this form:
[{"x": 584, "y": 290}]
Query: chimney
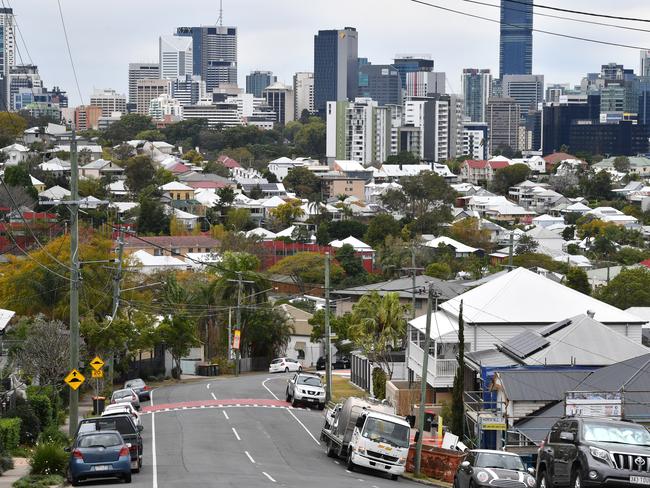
[{"x": 591, "y": 314}]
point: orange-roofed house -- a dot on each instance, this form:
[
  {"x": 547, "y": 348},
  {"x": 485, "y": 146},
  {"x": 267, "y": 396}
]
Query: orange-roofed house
[{"x": 481, "y": 171}]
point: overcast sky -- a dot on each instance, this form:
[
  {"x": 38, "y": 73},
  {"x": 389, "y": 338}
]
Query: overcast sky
[{"x": 277, "y": 35}]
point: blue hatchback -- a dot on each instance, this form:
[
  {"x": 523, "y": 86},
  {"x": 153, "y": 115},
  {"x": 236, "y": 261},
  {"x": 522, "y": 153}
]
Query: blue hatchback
[{"x": 99, "y": 455}]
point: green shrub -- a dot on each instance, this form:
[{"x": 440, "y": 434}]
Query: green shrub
[
  {"x": 9, "y": 433},
  {"x": 6, "y": 462},
  {"x": 30, "y": 425},
  {"x": 225, "y": 366},
  {"x": 39, "y": 481},
  {"x": 42, "y": 408},
  {"x": 49, "y": 458},
  {"x": 52, "y": 435},
  {"x": 379, "y": 383}
]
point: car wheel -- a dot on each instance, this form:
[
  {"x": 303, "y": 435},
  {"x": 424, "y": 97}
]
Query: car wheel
[
  {"x": 576, "y": 482},
  {"x": 294, "y": 402},
  {"x": 330, "y": 450},
  {"x": 286, "y": 370},
  {"x": 299, "y": 369},
  {"x": 127, "y": 478},
  {"x": 542, "y": 480},
  {"x": 321, "y": 406},
  {"x": 349, "y": 463},
  {"x": 288, "y": 397},
  {"x": 74, "y": 481},
  {"x": 140, "y": 462},
  {"x": 394, "y": 477}
]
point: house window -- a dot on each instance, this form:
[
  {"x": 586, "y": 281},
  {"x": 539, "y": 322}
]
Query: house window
[
  {"x": 178, "y": 196},
  {"x": 157, "y": 252},
  {"x": 191, "y": 249},
  {"x": 301, "y": 354},
  {"x": 175, "y": 251}
]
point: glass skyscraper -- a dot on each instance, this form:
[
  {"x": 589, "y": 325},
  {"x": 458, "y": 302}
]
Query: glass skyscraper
[
  {"x": 516, "y": 42},
  {"x": 257, "y": 81},
  {"x": 336, "y": 66}
]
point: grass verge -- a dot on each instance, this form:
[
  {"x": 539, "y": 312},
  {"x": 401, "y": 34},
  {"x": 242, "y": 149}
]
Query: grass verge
[
  {"x": 342, "y": 388},
  {"x": 39, "y": 481}
]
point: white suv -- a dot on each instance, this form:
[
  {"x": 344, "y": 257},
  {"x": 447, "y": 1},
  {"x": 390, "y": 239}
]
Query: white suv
[{"x": 307, "y": 389}]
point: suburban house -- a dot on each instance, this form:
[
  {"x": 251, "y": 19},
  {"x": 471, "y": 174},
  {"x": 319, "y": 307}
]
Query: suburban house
[
  {"x": 300, "y": 344},
  {"x": 101, "y": 167},
  {"x": 16, "y": 153},
  {"x": 170, "y": 245},
  {"x": 178, "y": 191},
  {"x": 480, "y": 171},
  {"x": 459, "y": 249},
  {"x": 335, "y": 184}
]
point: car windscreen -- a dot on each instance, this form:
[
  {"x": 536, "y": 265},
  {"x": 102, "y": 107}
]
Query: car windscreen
[
  {"x": 122, "y": 394},
  {"x": 620, "y": 434},
  {"x": 134, "y": 384},
  {"x": 309, "y": 380},
  {"x": 496, "y": 460},
  {"x": 99, "y": 440},
  {"x": 121, "y": 424},
  {"x": 380, "y": 430}
]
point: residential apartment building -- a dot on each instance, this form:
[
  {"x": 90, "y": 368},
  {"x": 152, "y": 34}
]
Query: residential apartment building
[
  {"x": 476, "y": 89},
  {"x": 427, "y": 126},
  {"x": 147, "y": 90},
  {"x": 425, "y": 83},
  {"x": 86, "y": 117},
  {"x": 410, "y": 63},
  {"x": 257, "y": 81},
  {"x": 23, "y": 79},
  {"x": 8, "y": 58},
  {"x": 335, "y": 184},
  {"x": 303, "y": 93},
  {"x": 141, "y": 71},
  {"x": 503, "y": 124},
  {"x": 109, "y": 101},
  {"x": 350, "y": 131},
  {"x": 475, "y": 140},
  {"x": 217, "y": 114},
  {"x": 164, "y": 107},
  {"x": 336, "y": 71}
]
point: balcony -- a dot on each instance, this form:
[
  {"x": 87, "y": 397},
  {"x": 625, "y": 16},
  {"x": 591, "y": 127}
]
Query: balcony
[{"x": 440, "y": 372}]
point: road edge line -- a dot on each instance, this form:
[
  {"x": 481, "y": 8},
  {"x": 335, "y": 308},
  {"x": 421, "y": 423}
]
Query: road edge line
[
  {"x": 267, "y": 388},
  {"x": 154, "y": 461},
  {"x": 303, "y": 426}
]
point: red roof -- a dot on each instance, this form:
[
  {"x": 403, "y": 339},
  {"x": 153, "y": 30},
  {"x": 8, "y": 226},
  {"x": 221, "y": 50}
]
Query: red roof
[
  {"x": 556, "y": 157},
  {"x": 228, "y": 162},
  {"x": 206, "y": 184},
  {"x": 499, "y": 164},
  {"x": 179, "y": 168},
  {"x": 645, "y": 263},
  {"x": 476, "y": 163}
]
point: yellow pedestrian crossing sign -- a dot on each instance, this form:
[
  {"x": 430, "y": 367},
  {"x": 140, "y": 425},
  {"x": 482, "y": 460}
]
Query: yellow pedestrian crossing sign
[
  {"x": 97, "y": 363},
  {"x": 98, "y": 373},
  {"x": 74, "y": 379}
]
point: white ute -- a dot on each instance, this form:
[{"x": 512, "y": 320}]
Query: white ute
[{"x": 367, "y": 434}]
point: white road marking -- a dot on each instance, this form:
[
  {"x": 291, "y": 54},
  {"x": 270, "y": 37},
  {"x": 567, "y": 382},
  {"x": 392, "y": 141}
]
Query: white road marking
[
  {"x": 267, "y": 388},
  {"x": 153, "y": 445},
  {"x": 213, "y": 395},
  {"x": 250, "y": 457},
  {"x": 236, "y": 434},
  {"x": 225, "y": 415},
  {"x": 348, "y": 471},
  {"x": 303, "y": 426},
  {"x": 336, "y": 462},
  {"x": 268, "y": 476},
  {"x": 208, "y": 385}
]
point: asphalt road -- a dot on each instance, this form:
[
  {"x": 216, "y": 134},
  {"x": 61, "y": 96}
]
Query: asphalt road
[{"x": 202, "y": 438}]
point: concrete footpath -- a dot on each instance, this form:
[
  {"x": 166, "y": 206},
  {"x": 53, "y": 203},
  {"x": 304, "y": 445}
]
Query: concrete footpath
[{"x": 21, "y": 468}]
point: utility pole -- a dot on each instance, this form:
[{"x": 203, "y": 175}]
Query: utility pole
[
  {"x": 229, "y": 334},
  {"x": 433, "y": 294},
  {"x": 413, "y": 271},
  {"x": 74, "y": 278},
  {"x": 238, "y": 321},
  {"x": 511, "y": 249},
  {"x": 328, "y": 332},
  {"x": 117, "y": 280}
]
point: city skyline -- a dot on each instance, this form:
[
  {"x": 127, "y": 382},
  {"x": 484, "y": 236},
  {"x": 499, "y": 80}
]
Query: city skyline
[{"x": 103, "y": 48}]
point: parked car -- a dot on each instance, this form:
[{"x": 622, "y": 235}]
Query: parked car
[
  {"x": 581, "y": 452},
  {"x": 99, "y": 455},
  {"x": 285, "y": 365},
  {"x": 140, "y": 387},
  {"x": 121, "y": 409},
  {"x": 306, "y": 388},
  {"x": 122, "y": 424},
  {"x": 488, "y": 468},
  {"x": 342, "y": 362},
  {"x": 126, "y": 395}
]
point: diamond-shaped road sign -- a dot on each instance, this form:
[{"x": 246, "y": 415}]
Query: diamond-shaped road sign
[
  {"x": 74, "y": 379},
  {"x": 97, "y": 363}
]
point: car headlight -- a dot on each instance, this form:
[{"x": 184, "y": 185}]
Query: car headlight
[
  {"x": 401, "y": 460},
  {"x": 530, "y": 481},
  {"x": 482, "y": 476},
  {"x": 598, "y": 453},
  {"x": 361, "y": 450}
]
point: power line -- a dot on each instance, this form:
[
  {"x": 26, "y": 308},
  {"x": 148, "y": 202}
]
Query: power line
[
  {"x": 579, "y": 12},
  {"x": 541, "y": 31},
  {"x": 67, "y": 43},
  {"x": 572, "y": 19}
]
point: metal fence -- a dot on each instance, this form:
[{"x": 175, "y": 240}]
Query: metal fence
[
  {"x": 253, "y": 364},
  {"x": 361, "y": 371}
]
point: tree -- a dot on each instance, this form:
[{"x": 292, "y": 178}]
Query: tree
[
  {"x": 504, "y": 178},
  {"x": 596, "y": 186},
  {"x": 352, "y": 265},
  {"x": 526, "y": 245},
  {"x": 394, "y": 200},
  {"x": 404, "y": 157},
  {"x": 307, "y": 268},
  {"x": 537, "y": 260},
  {"x": 378, "y": 326},
  {"x": 265, "y": 332},
  {"x": 46, "y": 350},
  {"x": 431, "y": 222},
  {"x": 193, "y": 157},
  {"x": 439, "y": 270},
  {"x": 152, "y": 219},
  {"x": 150, "y": 135},
  {"x": 345, "y": 228},
  {"x": 238, "y": 219},
  {"x": 339, "y": 326},
  {"x": 178, "y": 333},
  {"x": 127, "y": 128},
  {"x": 381, "y": 226},
  {"x": 631, "y": 288},
  {"x": 18, "y": 176},
  {"x": 226, "y": 197},
  {"x": 425, "y": 191},
  {"x": 216, "y": 168},
  {"x": 622, "y": 164},
  {"x": 577, "y": 279},
  {"x": 185, "y": 131},
  {"x": 11, "y": 126},
  {"x": 139, "y": 171},
  {"x": 288, "y": 212},
  {"x": 310, "y": 139},
  {"x": 303, "y": 182},
  {"x": 468, "y": 231},
  {"x": 457, "y": 400},
  {"x": 569, "y": 232}
]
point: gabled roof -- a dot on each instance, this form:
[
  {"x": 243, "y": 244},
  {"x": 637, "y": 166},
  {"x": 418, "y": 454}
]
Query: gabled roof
[
  {"x": 146, "y": 259},
  {"x": 524, "y": 297},
  {"x": 448, "y": 241},
  {"x": 15, "y": 147},
  {"x": 98, "y": 164},
  {"x": 557, "y": 157},
  {"x": 404, "y": 287},
  {"x": 261, "y": 232},
  {"x": 352, "y": 241},
  {"x": 228, "y": 162},
  {"x": 273, "y": 202},
  {"x": 176, "y": 186},
  {"x": 539, "y": 386},
  {"x": 55, "y": 193}
]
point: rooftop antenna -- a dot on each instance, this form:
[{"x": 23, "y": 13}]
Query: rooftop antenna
[{"x": 220, "y": 19}]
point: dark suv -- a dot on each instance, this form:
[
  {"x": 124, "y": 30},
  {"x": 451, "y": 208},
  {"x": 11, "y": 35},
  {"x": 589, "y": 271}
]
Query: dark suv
[{"x": 586, "y": 451}]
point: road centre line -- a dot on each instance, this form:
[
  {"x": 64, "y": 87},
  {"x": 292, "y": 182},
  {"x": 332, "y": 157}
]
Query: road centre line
[
  {"x": 268, "y": 476},
  {"x": 249, "y": 457},
  {"x": 236, "y": 434},
  {"x": 303, "y": 426},
  {"x": 225, "y": 415},
  {"x": 267, "y": 388},
  {"x": 213, "y": 395},
  {"x": 208, "y": 385}
]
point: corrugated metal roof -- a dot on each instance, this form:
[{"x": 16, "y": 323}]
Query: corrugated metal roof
[{"x": 540, "y": 385}]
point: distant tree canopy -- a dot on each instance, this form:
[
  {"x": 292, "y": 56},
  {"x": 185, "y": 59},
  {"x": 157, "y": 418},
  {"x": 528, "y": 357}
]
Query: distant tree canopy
[
  {"x": 631, "y": 288},
  {"x": 504, "y": 178}
]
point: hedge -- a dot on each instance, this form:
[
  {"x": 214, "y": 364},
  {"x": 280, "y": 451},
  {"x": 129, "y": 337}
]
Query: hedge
[
  {"x": 42, "y": 407},
  {"x": 9, "y": 433}
]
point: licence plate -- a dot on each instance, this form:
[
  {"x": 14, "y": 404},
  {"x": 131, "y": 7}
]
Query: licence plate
[
  {"x": 311, "y": 399},
  {"x": 640, "y": 480},
  {"x": 102, "y": 467}
]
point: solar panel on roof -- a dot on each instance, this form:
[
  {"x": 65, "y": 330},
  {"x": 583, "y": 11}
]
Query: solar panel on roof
[
  {"x": 553, "y": 328},
  {"x": 525, "y": 344}
]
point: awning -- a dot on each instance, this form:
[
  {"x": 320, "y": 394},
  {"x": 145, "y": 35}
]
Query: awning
[{"x": 300, "y": 346}]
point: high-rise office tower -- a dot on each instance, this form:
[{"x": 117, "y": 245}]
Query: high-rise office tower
[
  {"x": 410, "y": 63},
  {"x": 215, "y": 53},
  {"x": 424, "y": 83},
  {"x": 109, "y": 101},
  {"x": 175, "y": 57},
  {"x": 503, "y": 124},
  {"x": 23, "y": 79},
  {"x": 141, "y": 71},
  {"x": 257, "y": 81},
  {"x": 188, "y": 89},
  {"x": 336, "y": 70},
  {"x": 280, "y": 97},
  {"x": 644, "y": 69},
  {"x": 527, "y": 90},
  {"x": 516, "y": 42},
  {"x": 8, "y": 60},
  {"x": 476, "y": 85},
  {"x": 147, "y": 90},
  {"x": 380, "y": 82},
  {"x": 303, "y": 93}
]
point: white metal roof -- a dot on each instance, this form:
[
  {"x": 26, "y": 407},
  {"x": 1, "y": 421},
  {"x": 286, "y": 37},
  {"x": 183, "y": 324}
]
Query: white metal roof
[
  {"x": 522, "y": 297},
  {"x": 176, "y": 186},
  {"x": 5, "y": 317},
  {"x": 352, "y": 241},
  {"x": 448, "y": 241}
]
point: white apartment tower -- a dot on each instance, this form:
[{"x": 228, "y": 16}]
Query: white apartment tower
[
  {"x": 109, "y": 101},
  {"x": 351, "y": 131},
  {"x": 8, "y": 60},
  {"x": 175, "y": 57},
  {"x": 303, "y": 92}
]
